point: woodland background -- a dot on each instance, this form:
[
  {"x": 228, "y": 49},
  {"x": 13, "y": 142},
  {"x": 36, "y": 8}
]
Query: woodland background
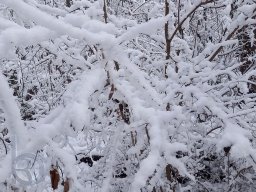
[{"x": 128, "y": 95}]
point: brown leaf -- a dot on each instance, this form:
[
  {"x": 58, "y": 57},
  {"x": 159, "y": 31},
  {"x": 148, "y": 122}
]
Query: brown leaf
[
  {"x": 226, "y": 150},
  {"x": 55, "y": 178},
  {"x": 171, "y": 173},
  {"x": 66, "y": 185}
]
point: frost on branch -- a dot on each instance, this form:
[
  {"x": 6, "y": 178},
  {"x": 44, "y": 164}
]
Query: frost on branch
[{"x": 127, "y": 95}]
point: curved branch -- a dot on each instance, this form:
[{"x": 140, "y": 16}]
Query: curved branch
[
  {"x": 188, "y": 15},
  {"x": 231, "y": 35}
]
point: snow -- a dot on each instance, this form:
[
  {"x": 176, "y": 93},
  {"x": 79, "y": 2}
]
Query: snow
[
  {"x": 52, "y": 23},
  {"x": 11, "y": 37},
  {"x": 236, "y": 138},
  {"x": 105, "y": 71},
  {"x": 12, "y": 113}
]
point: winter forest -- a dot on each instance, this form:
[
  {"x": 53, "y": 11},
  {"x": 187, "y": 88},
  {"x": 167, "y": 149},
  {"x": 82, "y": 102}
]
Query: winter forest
[{"x": 128, "y": 95}]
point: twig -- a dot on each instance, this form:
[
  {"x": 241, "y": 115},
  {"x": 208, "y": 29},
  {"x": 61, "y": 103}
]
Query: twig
[
  {"x": 4, "y": 145},
  {"x": 189, "y": 14}
]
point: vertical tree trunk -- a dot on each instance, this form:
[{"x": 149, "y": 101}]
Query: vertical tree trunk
[
  {"x": 167, "y": 40},
  {"x": 105, "y": 11}
]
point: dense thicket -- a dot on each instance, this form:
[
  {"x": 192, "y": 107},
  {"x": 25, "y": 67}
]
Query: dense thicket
[{"x": 125, "y": 95}]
